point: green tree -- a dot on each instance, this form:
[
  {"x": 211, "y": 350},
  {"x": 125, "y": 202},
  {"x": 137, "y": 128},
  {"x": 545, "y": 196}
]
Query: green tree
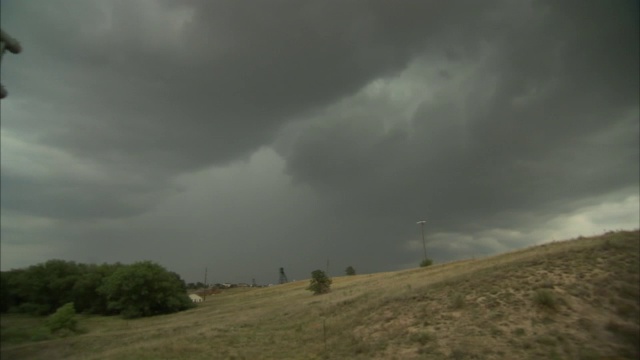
[
  {"x": 7, "y": 299},
  {"x": 320, "y": 283},
  {"x": 42, "y": 288},
  {"x": 86, "y": 297},
  {"x": 350, "y": 270},
  {"x": 144, "y": 289},
  {"x": 63, "y": 319}
]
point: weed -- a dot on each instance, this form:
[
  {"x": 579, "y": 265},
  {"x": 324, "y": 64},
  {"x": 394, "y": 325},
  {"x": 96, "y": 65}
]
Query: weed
[
  {"x": 496, "y": 331},
  {"x": 546, "y": 299},
  {"x": 519, "y": 332},
  {"x": 546, "y": 340},
  {"x": 547, "y": 284},
  {"x": 457, "y": 301}
]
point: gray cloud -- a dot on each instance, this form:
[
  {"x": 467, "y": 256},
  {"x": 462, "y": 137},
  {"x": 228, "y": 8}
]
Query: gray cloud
[{"x": 502, "y": 141}]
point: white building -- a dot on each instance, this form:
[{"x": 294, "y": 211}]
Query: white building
[{"x": 195, "y": 298}]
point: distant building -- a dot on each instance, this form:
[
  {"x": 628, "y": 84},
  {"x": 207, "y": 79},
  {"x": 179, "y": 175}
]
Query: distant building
[{"x": 195, "y": 298}]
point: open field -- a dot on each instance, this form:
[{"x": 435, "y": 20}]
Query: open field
[{"x": 576, "y": 299}]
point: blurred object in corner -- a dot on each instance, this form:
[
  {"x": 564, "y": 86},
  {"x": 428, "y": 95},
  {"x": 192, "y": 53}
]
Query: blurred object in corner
[{"x": 11, "y": 44}]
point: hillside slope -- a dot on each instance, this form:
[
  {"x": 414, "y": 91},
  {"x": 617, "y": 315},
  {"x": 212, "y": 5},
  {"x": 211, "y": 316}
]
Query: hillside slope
[{"x": 576, "y": 299}]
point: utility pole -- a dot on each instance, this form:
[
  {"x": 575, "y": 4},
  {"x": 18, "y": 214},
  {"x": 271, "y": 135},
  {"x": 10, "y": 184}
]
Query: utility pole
[
  {"x": 206, "y": 288},
  {"x": 424, "y": 245}
]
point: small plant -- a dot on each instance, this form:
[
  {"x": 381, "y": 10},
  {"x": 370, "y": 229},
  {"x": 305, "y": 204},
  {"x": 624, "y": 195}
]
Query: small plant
[
  {"x": 63, "y": 319},
  {"x": 547, "y": 284},
  {"x": 519, "y": 332},
  {"x": 457, "y": 301},
  {"x": 320, "y": 283},
  {"x": 421, "y": 337},
  {"x": 546, "y": 299},
  {"x": 350, "y": 271},
  {"x": 426, "y": 262}
]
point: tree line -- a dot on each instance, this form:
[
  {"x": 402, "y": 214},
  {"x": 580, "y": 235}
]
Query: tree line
[{"x": 136, "y": 290}]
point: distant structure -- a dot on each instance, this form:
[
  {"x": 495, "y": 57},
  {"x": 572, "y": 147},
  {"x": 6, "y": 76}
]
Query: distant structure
[
  {"x": 195, "y": 298},
  {"x": 283, "y": 277}
]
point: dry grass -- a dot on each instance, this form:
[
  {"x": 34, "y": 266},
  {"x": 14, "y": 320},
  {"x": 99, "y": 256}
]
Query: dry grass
[{"x": 472, "y": 309}]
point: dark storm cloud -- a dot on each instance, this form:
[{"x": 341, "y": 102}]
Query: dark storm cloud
[
  {"x": 489, "y": 118},
  {"x": 159, "y": 88},
  {"x": 70, "y": 198},
  {"x": 222, "y": 87},
  {"x": 536, "y": 127}
]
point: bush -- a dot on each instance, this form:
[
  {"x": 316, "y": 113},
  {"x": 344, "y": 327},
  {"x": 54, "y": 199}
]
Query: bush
[
  {"x": 545, "y": 298},
  {"x": 144, "y": 289},
  {"x": 350, "y": 271},
  {"x": 63, "y": 319},
  {"x": 33, "y": 309},
  {"x": 320, "y": 283},
  {"x": 457, "y": 301},
  {"x": 426, "y": 262}
]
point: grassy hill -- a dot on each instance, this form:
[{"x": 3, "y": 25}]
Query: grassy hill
[{"x": 576, "y": 299}]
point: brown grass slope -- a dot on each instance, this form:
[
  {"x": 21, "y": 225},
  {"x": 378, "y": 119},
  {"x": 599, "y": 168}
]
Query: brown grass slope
[{"x": 576, "y": 299}]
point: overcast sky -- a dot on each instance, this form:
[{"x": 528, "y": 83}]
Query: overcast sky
[{"x": 245, "y": 136}]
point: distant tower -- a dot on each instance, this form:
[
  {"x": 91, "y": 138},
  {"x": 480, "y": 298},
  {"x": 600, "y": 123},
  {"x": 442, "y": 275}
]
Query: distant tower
[{"x": 283, "y": 277}]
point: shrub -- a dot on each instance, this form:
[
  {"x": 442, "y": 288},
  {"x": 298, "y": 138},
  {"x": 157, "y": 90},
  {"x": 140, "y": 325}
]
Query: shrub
[
  {"x": 421, "y": 337},
  {"x": 63, "y": 319},
  {"x": 426, "y": 262},
  {"x": 144, "y": 289},
  {"x": 350, "y": 271},
  {"x": 545, "y": 298},
  {"x": 320, "y": 283},
  {"x": 457, "y": 301},
  {"x": 33, "y": 309}
]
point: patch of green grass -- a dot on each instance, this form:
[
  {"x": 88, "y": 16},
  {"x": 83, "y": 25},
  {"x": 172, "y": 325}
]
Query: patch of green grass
[{"x": 21, "y": 335}]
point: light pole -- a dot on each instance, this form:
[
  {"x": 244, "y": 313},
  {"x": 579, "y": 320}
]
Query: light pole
[{"x": 424, "y": 245}]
